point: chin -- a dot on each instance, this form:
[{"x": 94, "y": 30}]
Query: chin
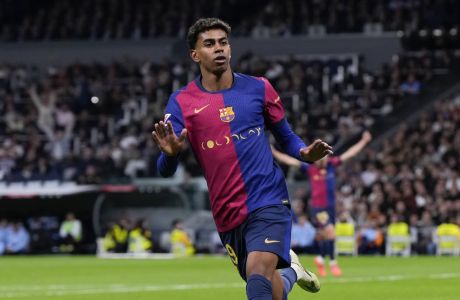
[{"x": 220, "y": 69}]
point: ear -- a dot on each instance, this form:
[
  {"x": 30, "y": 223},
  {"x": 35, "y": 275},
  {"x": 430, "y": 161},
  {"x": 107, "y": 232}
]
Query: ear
[
  {"x": 194, "y": 56},
  {"x": 229, "y": 52}
]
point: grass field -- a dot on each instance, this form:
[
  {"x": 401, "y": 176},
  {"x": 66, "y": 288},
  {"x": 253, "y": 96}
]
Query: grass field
[{"x": 203, "y": 278}]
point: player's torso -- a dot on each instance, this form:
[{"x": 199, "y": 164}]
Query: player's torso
[
  {"x": 322, "y": 183},
  {"x": 227, "y": 133},
  {"x": 227, "y": 127}
]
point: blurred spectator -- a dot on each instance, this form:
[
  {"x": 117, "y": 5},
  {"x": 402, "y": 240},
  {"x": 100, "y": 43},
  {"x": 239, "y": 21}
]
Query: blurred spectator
[
  {"x": 370, "y": 239},
  {"x": 70, "y": 233},
  {"x": 426, "y": 240},
  {"x": 44, "y": 234},
  {"x": 45, "y": 105},
  {"x": 140, "y": 239},
  {"x": 414, "y": 232},
  {"x": 302, "y": 235},
  {"x": 411, "y": 86},
  {"x": 17, "y": 239},
  {"x": 90, "y": 176},
  {"x": 4, "y": 227},
  {"x": 181, "y": 244},
  {"x": 116, "y": 238}
]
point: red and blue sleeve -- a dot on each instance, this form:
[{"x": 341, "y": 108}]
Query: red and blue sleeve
[
  {"x": 167, "y": 165},
  {"x": 335, "y": 161},
  {"x": 290, "y": 142},
  {"x": 304, "y": 168}
]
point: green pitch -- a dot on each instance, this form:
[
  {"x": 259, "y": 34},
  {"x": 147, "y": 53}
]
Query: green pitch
[{"x": 215, "y": 278}]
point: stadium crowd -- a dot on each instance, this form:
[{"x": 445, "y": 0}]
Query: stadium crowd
[
  {"x": 124, "y": 19},
  {"x": 53, "y": 128},
  {"x": 44, "y": 234},
  {"x": 91, "y": 123}
]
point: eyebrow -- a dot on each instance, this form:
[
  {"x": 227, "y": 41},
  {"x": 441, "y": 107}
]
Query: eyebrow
[{"x": 212, "y": 40}]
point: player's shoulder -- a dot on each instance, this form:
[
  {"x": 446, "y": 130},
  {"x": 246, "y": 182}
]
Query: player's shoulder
[
  {"x": 250, "y": 83},
  {"x": 184, "y": 94},
  {"x": 250, "y": 79},
  {"x": 177, "y": 92}
]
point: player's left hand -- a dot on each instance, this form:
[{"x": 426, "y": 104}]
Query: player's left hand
[{"x": 317, "y": 150}]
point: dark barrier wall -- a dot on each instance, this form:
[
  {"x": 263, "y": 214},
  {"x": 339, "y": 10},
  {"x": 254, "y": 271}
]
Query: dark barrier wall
[{"x": 375, "y": 49}]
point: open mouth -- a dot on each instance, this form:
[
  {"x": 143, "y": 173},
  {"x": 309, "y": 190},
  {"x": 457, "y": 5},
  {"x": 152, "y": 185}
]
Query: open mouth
[{"x": 220, "y": 59}]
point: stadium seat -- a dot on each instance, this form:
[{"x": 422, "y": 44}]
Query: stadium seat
[
  {"x": 398, "y": 239},
  {"x": 345, "y": 242},
  {"x": 448, "y": 239}
]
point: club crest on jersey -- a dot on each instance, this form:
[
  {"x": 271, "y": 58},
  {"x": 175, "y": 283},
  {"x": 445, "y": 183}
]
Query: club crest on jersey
[{"x": 227, "y": 114}]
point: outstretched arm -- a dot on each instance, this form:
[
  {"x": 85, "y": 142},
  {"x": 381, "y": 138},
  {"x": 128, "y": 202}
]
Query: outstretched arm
[
  {"x": 295, "y": 147},
  {"x": 356, "y": 148},
  {"x": 285, "y": 159}
]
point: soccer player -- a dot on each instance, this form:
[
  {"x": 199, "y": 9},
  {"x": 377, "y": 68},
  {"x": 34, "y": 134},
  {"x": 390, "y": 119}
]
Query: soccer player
[
  {"x": 322, "y": 201},
  {"x": 225, "y": 116}
]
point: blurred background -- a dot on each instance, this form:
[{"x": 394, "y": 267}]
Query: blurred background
[{"x": 82, "y": 83}]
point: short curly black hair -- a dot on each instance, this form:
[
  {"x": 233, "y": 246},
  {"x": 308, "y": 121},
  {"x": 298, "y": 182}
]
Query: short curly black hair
[{"x": 203, "y": 25}]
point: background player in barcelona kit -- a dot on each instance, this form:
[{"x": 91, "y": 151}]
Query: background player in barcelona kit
[
  {"x": 224, "y": 115},
  {"x": 322, "y": 201}
]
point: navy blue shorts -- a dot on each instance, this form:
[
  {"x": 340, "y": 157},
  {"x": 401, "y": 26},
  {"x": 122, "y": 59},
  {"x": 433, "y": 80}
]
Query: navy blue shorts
[
  {"x": 266, "y": 229},
  {"x": 322, "y": 216}
]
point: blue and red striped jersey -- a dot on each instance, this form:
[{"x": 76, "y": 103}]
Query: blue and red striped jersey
[
  {"x": 227, "y": 132},
  {"x": 322, "y": 182}
]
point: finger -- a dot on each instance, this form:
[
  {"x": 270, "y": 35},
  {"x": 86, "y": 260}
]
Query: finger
[
  {"x": 183, "y": 135},
  {"x": 161, "y": 129},
  {"x": 158, "y": 131},
  {"x": 326, "y": 146},
  {"x": 155, "y": 138},
  {"x": 316, "y": 142},
  {"x": 170, "y": 128}
]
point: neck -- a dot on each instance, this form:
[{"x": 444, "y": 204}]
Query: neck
[{"x": 216, "y": 82}]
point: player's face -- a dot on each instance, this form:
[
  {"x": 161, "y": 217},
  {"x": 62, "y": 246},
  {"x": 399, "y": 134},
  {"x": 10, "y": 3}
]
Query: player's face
[{"x": 212, "y": 51}]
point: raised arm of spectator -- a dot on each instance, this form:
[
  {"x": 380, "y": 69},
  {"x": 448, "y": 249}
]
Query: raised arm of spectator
[
  {"x": 35, "y": 98},
  {"x": 356, "y": 148},
  {"x": 285, "y": 159}
]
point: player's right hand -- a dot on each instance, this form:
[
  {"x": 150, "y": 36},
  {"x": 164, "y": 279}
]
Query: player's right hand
[{"x": 165, "y": 138}]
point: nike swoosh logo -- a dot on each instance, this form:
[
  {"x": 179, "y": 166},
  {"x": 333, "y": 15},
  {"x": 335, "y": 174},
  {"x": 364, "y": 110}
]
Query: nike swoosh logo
[
  {"x": 267, "y": 241},
  {"x": 197, "y": 110},
  {"x": 277, "y": 99}
]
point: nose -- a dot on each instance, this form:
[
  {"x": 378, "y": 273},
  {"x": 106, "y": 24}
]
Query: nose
[{"x": 218, "y": 48}]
